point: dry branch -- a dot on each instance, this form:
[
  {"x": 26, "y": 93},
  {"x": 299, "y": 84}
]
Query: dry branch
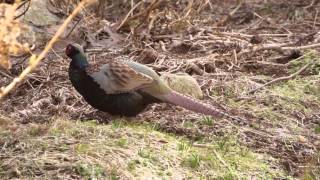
[
  {"x": 278, "y": 47},
  {"x": 35, "y": 60},
  {"x": 227, "y": 18},
  {"x": 143, "y": 14},
  {"x": 128, "y": 14},
  {"x": 25, "y": 10},
  {"x": 286, "y": 78}
]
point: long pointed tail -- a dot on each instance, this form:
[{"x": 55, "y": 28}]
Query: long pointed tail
[{"x": 196, "y": 105}]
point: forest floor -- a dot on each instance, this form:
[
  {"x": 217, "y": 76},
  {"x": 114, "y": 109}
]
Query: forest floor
[{"x": 259, "y": 60}]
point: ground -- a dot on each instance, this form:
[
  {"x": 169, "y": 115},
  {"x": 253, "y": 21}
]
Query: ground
[
  {"x": 74, "y": 149},
  {"x": 231, "y": 48}
]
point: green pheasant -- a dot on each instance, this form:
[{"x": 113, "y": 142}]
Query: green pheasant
[{"x": 126, "y": 88}]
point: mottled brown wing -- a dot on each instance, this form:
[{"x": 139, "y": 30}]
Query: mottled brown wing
[{"x": 126, "y": 78}]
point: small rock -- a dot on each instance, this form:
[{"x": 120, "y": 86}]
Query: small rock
[
  {"x": 183, "y": 83},
  {"x": 302, "y": 139}
]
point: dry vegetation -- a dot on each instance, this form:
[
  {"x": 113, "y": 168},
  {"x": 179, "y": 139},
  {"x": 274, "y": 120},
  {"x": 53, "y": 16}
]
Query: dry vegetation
[
  {"x": 255, "y": 59},
  {"x": 10, "y": 30}
]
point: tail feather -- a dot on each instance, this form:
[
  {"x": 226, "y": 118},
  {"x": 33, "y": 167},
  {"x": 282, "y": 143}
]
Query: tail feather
[{"x": 195, "y": 105}]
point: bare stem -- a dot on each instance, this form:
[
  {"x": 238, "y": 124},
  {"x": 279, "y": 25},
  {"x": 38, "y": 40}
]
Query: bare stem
[{"x": 35, "y": 60}]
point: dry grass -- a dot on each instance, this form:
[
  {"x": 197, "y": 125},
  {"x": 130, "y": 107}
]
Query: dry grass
[{"x": 67, "y": 149}]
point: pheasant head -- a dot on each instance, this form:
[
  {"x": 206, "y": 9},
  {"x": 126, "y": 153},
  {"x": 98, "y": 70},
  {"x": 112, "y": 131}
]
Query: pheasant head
[{"x": 76, "y": 53}]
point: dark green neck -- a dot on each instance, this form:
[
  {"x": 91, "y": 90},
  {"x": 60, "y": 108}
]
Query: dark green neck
[{"x": 79, "y": 61}]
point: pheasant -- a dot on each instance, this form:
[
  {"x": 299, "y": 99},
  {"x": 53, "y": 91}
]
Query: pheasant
[{"x": 126, "y": 88}]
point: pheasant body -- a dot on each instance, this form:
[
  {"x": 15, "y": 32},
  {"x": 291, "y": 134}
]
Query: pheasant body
[
  {"x": 126, "y": 88},
  {"x": 124, "y": 104}
]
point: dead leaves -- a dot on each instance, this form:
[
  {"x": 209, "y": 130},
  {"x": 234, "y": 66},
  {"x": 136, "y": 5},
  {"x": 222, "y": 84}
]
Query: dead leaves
[{"x": 10, "y": 30}]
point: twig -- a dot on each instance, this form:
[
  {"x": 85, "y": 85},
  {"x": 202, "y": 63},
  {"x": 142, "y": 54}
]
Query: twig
[
  {"x": 279, "y": 47},
  {"x": 35, "y": 60},
  {"x": 24, "y": 12},
  {"x": 73, "y": 28},
  {"x": 128, "y": 14},
  {"x": 302, "y": 47},
  {"x": 242, "y": 35},
  {"x": 153, "y": 19},
  {"x": 144, "y": 13},
  {"x": 281, "y": 79},
  {"x": 227, "y": 18},
  {"x": 310, "y": 5},
  {"x": 187, "y": 9},
  {"x": 6, "y": 75},
  {"x": 203, "y": 5},
  {"x": 315, "y": 19}
]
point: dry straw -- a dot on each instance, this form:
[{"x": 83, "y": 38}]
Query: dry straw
[{"x": 34, "y": 59}]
